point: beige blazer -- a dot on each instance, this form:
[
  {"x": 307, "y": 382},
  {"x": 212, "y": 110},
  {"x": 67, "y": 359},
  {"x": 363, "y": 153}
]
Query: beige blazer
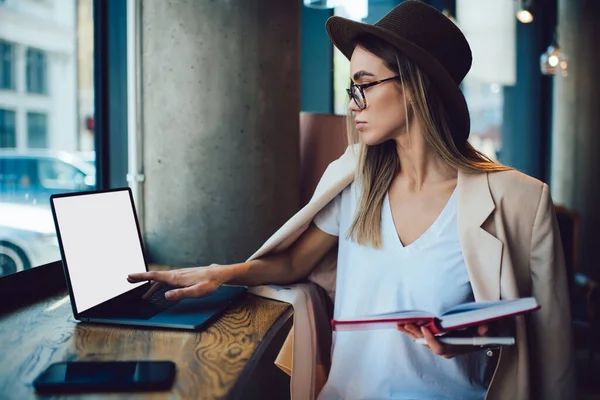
[{"x": 511, "y": 246}]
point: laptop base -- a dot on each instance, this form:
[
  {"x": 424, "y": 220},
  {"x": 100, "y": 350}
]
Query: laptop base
[{"x": 190, "y": 314}]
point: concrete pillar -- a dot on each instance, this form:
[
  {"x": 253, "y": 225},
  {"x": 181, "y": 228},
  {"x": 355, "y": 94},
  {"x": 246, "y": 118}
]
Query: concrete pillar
[
  {"x": 576, "y": 124},
  {"x": 221, "y": 102}
]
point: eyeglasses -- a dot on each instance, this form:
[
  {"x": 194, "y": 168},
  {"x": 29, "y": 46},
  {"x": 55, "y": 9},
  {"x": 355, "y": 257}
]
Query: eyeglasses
[{"x": 357, "y": 92}]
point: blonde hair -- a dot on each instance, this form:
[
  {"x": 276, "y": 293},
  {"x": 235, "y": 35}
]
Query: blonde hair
[{"x": 379, "y": 164}]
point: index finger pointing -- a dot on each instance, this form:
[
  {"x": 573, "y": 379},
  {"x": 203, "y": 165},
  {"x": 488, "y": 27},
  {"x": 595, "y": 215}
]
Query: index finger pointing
[
  {"x": 158, "y": 276},
  {"x": 138, "y": 277}
]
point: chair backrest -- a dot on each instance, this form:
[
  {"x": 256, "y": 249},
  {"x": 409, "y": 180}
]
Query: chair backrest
[
  {"x": 322, "y": 140},
  {"x": 568, "y": 225}
]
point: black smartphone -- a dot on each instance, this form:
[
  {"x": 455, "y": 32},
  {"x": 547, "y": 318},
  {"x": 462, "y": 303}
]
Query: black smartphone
[{"x": 106, "y": 376}]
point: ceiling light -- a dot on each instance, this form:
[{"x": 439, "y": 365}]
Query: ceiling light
[
  {"x": 553, "y": 61},
  {"x": 525, "y": 11},
  {"x": 524, "y": 16}
]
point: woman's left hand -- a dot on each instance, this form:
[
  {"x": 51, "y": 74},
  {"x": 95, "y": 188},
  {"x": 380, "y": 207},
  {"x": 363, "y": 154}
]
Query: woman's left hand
[{"x": 441, "y": 349}]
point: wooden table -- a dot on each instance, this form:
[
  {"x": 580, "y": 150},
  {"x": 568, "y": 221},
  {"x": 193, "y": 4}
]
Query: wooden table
[{"x": 222, "y": 361}]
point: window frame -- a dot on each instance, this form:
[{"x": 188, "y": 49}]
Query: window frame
[
  {"x": 39, "y": 71},
  {"x": 13, "y": 82},
  {"x": 14, "y": 112},
  {"x": 110, "y": 138},
  {"x": 35, "y": 114}
]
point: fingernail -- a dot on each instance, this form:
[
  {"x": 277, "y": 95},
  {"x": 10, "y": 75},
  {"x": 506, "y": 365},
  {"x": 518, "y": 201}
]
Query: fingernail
[{"x": 169, "y": 295}]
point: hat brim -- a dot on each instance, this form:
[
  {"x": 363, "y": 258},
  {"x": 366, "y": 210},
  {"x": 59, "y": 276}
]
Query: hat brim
[{"x": 344, "y": 32}]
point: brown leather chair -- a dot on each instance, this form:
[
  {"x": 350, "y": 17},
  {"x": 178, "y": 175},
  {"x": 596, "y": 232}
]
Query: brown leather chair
[
  {"x": 568, "y": 225},
  {"x": 322, "y": 140},
  {"x": 584, "y": 292}
]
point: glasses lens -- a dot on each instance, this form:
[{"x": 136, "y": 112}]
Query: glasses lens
[{"x": 358, "y": 98}]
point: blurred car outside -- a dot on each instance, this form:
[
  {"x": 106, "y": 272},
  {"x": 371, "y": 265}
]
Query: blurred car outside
[
  {"x": 89, "y": 157},
  {"x": 31, "y": 176},
  {"x": 27, "y": 237}
]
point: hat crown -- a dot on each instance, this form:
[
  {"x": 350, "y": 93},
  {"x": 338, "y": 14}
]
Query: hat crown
[{"x": 432, "y": 31}]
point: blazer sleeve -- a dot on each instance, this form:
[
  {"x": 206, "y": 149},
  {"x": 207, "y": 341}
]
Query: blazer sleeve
[{"x": 552, "y": 359}]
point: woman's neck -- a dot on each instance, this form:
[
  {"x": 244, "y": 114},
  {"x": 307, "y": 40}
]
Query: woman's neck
[{"x": 420, "y": 166}]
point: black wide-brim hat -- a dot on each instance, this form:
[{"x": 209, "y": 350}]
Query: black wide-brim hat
[{"x": 430, "y": 40}]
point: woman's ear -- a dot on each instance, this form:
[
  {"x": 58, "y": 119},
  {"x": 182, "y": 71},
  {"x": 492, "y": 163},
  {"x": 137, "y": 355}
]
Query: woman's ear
[{"x": 408, "y": 96}]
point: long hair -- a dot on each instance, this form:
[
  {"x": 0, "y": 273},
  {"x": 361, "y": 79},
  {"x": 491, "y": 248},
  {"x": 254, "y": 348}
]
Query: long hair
[{"x": 379, "y": 164}]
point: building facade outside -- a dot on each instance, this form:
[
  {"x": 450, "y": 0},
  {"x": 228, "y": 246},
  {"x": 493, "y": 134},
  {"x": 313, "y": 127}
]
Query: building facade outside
[{"x": 38, "y": 74}]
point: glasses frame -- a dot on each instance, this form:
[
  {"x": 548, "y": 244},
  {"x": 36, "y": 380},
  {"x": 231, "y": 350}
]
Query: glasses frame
[{"x": 361, "y": 90}]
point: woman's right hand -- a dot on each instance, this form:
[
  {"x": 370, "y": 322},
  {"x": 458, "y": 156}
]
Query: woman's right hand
[{"x": 192, "y": 282}]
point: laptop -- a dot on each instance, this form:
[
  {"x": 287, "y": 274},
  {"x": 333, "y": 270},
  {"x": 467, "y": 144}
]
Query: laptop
[{"x": 100, "y": 244}]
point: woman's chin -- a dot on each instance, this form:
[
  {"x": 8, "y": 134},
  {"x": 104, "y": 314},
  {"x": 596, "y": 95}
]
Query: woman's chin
[{"x": 371, "y": 139}]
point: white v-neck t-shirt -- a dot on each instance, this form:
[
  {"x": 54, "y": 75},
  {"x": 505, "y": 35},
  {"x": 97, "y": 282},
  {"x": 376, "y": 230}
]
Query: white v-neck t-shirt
[{"x": 429, "y": 275}]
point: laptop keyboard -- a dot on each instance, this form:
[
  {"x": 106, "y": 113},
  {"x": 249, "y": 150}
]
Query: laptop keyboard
[
  {"x": 159, "y": 301},
  {"x": 139, "y": 308}
]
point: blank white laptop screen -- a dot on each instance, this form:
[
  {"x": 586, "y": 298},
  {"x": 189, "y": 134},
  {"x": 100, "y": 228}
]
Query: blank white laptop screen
[{"x": 100, "y": 243}]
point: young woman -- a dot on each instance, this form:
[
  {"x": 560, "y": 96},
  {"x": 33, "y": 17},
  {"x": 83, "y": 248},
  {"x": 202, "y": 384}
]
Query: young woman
[{"x": 425, "y": 222}]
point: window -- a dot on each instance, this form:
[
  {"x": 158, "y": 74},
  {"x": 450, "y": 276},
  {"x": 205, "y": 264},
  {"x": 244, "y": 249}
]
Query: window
[
  {"x": 7, "y": 66},
  {"x": 44, "y": 140},
  {"x": 37, "y": 131},
  {"x": 8, "y": 134},
  {"x": 341, "y": 75},
  {"x": 36, "y": 71},
  {"x": 490, "y": 30},
  {"x": 485, "y": 105},
  {"x": 341, "y": 82}
]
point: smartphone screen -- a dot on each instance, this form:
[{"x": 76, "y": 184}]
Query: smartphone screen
[{"x": 106, "y": 376}]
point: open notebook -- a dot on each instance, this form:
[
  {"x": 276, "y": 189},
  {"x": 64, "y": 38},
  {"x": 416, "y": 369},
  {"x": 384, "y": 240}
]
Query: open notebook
[{"x": 461, "y": 316}]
